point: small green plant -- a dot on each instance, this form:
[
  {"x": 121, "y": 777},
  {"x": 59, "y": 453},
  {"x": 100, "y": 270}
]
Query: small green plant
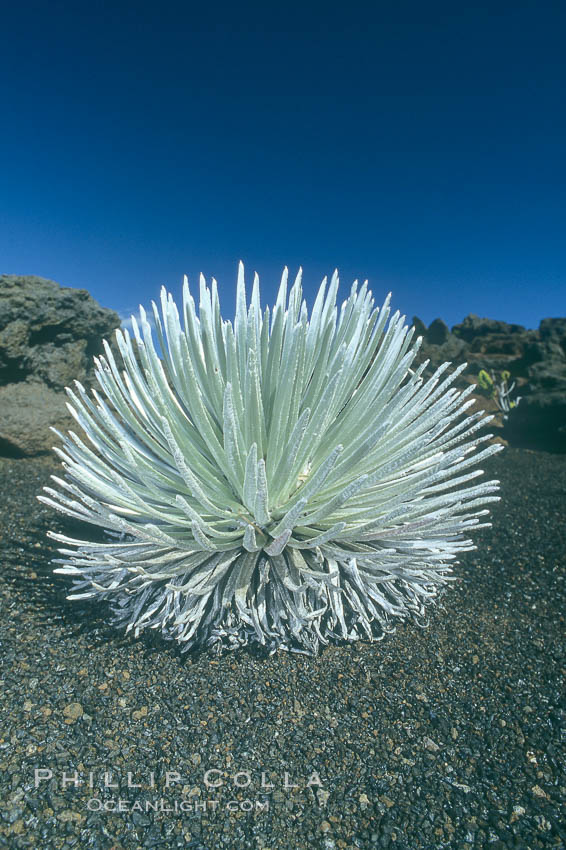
[
  {"x": 497, "y": 388},
  {"x": 284, "y": 480}
]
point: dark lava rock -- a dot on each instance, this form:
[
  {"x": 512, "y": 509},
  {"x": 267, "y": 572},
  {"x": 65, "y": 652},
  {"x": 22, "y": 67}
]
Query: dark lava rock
[
  {"x": 439, "y": 345},
  {"x": 535, "y": 359},
  {"x": 48, "y": 337},
  {"x": 473, "y": 326},
  {"x": 554, "y": 329},
  {"x": 419, "y": 326},
  {"x": 438, "y": 333},
  {"x": 541, "y": 419}
]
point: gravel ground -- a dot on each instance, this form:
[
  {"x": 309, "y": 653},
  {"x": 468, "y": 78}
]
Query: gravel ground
[{"x": 448, "y": 737}]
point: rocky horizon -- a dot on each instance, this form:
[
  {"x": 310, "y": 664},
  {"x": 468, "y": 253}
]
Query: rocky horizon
[{"x": 49, "y": 335}]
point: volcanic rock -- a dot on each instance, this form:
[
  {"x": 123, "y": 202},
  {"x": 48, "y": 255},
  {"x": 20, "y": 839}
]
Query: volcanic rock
[
  {"x": 48, "y": 337},
  {"x": 535, "y": 359}
]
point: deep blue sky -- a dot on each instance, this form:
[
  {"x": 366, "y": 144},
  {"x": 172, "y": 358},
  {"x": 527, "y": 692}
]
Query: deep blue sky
[{"x": 420, "y": 145}]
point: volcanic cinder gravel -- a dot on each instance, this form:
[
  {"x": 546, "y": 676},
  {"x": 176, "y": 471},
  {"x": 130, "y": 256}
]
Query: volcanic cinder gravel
[{"x": 447, "y": 737}]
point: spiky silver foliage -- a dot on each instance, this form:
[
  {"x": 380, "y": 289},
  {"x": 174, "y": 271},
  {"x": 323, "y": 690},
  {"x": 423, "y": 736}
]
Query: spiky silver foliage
[{"x": 279, "y": 480}]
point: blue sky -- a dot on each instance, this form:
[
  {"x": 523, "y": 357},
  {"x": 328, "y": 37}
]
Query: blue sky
[{"x": 419, "y": 145}]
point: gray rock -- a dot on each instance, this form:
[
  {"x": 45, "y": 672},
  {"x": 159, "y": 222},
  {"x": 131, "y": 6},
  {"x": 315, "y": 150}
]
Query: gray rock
[
  {"x": 535, "y": 359},
  {"x": 453, "y": 350},
  {"x": 540, "y": 419},
  {"x": 48, "y": 337},
  {"x": 438, "y": 333},
  {"x": 554, "y": 329},
  {"x": 420, "y": 327},
  {"x": 473, "y": 326},
  {"x": 48, "y": 332},
  {"x": 27, "y": 411},
  {"x": 498, "y": 345}
]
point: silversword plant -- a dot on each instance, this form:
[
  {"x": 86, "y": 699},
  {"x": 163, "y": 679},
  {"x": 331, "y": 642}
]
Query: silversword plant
[{"x": 284, "y": 480}]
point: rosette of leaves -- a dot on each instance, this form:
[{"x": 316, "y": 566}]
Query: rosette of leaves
[{"x": 284, "y": 479}]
